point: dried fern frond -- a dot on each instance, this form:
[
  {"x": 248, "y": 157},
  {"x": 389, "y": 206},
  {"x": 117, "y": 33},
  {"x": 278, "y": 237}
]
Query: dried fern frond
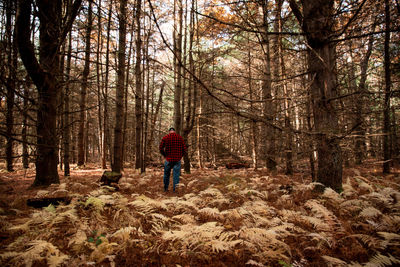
[
  {"x": 377, "y": 199},
  {"x": 210, "y": 191},
  {"x": 321, "y": 240},
  {"x": 320, "y": 211},
  {"x": 232, "y": 186},
  {"x": 185, "y": 218},
  {"x": 380, "y": 260},
  {"x": 78, "y": 241},
  {"x": 370, "y": 213},
  {"x": 331, "y": 261},
  {"x": 185, "y": 205},
  {"x": 255, "y": 263},
  {"x": 24, "y": 227},
  {"x": 317, "y": 223},
  {"x": 67, "y": 215},
  {"x": 390, "y": 239},
  {"x": 103, "y": 250},
  {"x": 40, "y": 250},
  {"x": 369, "y": 241},
  {"x": 220, "y": 246},
  {"x": 251, "y": 192},
  {"x": 147, "y": 205},
  {"x": 363, "y": 184},
  {"x": 158, "y": 222},
  {"x": 332, "y": 195},
  {"x": 124, "y": 234},
  {"x": 96, "y": 203},
  {"x": 209, "y": 212}
]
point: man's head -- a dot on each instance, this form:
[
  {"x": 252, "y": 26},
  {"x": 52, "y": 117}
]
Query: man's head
[{"x": 171, "y": 130}]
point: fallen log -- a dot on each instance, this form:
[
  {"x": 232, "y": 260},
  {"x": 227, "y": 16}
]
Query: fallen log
[
  {"x": 237, "y": 165},
  {"x": 46, "y": 201}
]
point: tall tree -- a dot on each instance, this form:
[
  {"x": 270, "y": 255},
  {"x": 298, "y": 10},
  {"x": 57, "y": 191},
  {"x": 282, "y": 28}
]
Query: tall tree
[
  {"x": 106, "y": 140},
  {"x": 43, "y": 73},
  {"x": 85, "y": 74},
  {"x": 67, "y": 127},
  {"x": 386, "y": 106},
  {"x": 360, "y": 146},
  {"x": 119, "y": 97},
  {"x": 268, "y": 105},
  {"x": 138, "y": 91},
  {"x": 11, "y": 82},
  {"x": 178, "y": 27},
  {"x": 318, "y": 23}
]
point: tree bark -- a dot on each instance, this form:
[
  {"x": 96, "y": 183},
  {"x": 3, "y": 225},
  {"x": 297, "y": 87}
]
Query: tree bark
[{"x": 119, "y": 113}]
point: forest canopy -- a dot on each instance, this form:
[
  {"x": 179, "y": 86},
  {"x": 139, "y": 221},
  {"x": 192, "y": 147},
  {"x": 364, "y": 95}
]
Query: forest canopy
[{"x": 287, "y": 85}]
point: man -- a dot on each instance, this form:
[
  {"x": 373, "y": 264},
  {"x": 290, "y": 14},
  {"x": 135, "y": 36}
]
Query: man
[{"x": 172, "y": 147}]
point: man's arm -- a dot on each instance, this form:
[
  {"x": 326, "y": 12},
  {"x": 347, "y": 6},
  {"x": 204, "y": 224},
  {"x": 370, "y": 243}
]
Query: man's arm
[{"x": 161, "y": 147}]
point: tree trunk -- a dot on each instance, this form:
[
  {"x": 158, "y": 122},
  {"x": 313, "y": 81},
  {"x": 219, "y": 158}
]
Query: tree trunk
[
  {"x": 268, "y": 107},
  {"x": 386, "y": 107},
  {"x": 192, "y": 98},
  {"x": 82, "y": 105},
  {"x": 99, "y": 75},
  {"x": 25, "y": 153},
  {"x": 317, "y": 24},
  {"x": 360, "y": 145},
  {"x": 44, "y": 75},
  {"x": 67, "y": 128},
  {"x": 11, "y": 84},
  {"x": 178, "y": 67},
  {"x": 107, "y": 138},
  {"x": 119, "y": 98},
  {"x": 138, "y": 93}
]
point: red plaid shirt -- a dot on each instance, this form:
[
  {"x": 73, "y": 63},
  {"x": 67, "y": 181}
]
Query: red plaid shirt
[{"x": 172, "y": 147}]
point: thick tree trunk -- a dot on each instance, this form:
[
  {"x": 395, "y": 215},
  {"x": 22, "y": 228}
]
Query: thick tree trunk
[
  {"x": 318, "y": 26},
  {"x": 386, "y": 107},
  {"x": 82, "y": 105},
  {"x": 117, "y": 162},
  {"x": 44, "y": 76}
]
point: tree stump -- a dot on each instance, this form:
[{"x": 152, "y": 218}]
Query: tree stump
[{"x": 109, "y": 178}]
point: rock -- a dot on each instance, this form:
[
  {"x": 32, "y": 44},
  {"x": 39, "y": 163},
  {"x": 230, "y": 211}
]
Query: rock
[{"x": 110, "y": 177}]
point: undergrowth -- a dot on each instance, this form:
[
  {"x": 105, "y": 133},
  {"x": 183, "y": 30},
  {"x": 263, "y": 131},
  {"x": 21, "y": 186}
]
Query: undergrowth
[{"x": 217, "y": 218}]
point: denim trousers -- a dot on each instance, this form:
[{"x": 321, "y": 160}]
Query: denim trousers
[{"x": 176, "y": 166}]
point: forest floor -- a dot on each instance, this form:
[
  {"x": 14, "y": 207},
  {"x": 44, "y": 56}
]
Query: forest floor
[{"x": 216, "y": 218}]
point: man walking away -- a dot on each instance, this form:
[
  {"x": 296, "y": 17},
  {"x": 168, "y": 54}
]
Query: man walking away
[{"x": 172, "y": 147}]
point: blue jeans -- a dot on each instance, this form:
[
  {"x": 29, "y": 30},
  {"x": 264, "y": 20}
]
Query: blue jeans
[{"x": 176, "y": 166}]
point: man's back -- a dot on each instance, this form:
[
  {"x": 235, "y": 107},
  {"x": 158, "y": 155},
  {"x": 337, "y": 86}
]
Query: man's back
[{"x": 173, "y": 146}]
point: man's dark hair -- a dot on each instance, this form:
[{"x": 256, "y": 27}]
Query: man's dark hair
[{"x": 171, "y": 129}]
